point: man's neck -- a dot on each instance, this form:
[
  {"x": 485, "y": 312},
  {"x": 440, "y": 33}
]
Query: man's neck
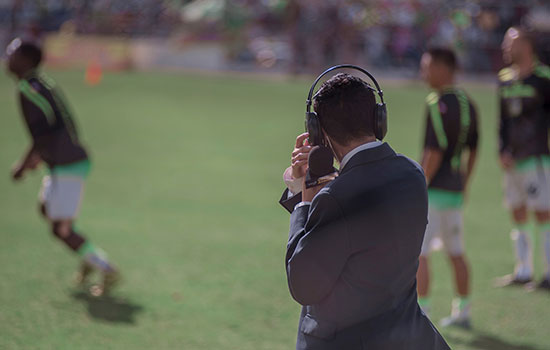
[
  {"x": 525, "y": 67},
  {"x": 445, "y": 85},
  {"x": 27, "y": 73},
  {"x": 341, "y": 151}
]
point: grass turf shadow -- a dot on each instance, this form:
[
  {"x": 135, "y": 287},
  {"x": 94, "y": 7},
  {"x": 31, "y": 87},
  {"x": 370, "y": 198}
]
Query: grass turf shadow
[
  {"x": 109, "y": 308},
  {"x": 483, "y": 341}
]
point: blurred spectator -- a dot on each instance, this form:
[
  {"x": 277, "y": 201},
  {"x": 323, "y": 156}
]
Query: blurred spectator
[{"x": 304, "y": 35}]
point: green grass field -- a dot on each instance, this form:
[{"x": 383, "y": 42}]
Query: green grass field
[{"x": 183, "y": 196}]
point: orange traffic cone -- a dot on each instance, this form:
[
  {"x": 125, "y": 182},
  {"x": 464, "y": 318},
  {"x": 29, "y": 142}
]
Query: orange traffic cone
[{"x": 94, "y": 73}]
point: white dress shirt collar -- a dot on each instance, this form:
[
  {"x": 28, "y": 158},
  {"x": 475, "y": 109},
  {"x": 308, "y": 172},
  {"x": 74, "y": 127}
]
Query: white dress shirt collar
[{"x": 358, "y": 149}]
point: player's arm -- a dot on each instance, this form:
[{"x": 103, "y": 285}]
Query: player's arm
[
  {"x": 431, "y": 161},
  {"x": 472, "y": 157},
  {"x": 471, "y": 143},
  {"x": 435, "y": 143},
  {"x": 30, "y": 160},
  {"x": 505, "y": 156},
  {"x": 40, "y": 123},
  {"x": 545, "y": 92}
]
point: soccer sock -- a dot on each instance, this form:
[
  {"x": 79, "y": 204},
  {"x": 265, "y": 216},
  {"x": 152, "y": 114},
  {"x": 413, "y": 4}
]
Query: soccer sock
[
  {"x": 545, "y": 230},
  {"x": 522, "y": 238},
  {"x": 461, "y": 306},
  {"x": 463, "y": 302},
  {"x": 95, "y": 256}
]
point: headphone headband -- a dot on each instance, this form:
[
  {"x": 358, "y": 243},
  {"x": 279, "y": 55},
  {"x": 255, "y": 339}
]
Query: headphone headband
[{"x": 310, "y": 96}]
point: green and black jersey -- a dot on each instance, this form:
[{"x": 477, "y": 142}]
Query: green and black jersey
[
  {"x": 451, "y": 126},
  {"x": 524, "y": 113},
  {"x": 51, "y": 125}
]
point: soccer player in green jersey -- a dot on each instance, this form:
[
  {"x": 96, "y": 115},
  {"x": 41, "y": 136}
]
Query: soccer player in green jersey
[
  {"x": 524, "y": 93},
  {"x": 56, "y": 143},
  {"x": 451, "y": 129}
]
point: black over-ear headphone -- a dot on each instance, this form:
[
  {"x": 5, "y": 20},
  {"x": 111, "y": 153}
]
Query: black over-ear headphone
[{"x": 313, "y": 125}]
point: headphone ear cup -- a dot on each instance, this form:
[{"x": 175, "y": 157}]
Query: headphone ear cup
[
  {"x": 314, "y": 129},
  {"x": 381, "y": 121}
]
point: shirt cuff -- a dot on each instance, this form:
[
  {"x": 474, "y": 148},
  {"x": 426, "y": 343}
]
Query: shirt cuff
[
  {"x": 301, "y": 204},
  {"x": 294, "y": 185}
]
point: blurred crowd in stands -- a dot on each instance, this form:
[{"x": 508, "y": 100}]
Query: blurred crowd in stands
[
  {"x": 395, "y": 33},
  {"x": 302, "y": 35}
]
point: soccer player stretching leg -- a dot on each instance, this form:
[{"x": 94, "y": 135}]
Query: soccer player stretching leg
[
  {"x": 451, "y": 128},
  {"x": 55, "y": 142},
  {"x": 524, "y": 92}
]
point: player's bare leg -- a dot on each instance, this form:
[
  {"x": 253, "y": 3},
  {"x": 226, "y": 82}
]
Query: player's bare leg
[
  {"x": 42, "y": 210},
  {"x": 461, "y": 308},
  {"x": 523, "y": 239},
  {"x": 543, "y": 222},
  {"x": 93, "y": 258},
  {"x": 462, "y": 274},
  {"x": 62, "y": 230},
  {"x": 523, "y": 242},
  {"x": 423, "y": 283}
]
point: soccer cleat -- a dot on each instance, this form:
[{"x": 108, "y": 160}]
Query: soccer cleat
[
  {"x": 460, "y": 314},
  {"x": 110, "y": 279},
  {"x": 511, "y": 280},
  {"x": 544, "y": 284},
  {"x": 83, "y": 273},
  {"x": 456, "y": 321}
]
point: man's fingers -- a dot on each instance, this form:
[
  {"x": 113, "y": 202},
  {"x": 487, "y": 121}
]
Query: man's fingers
[
  {"x": 299, "y": 163},
  {"x": 300, "y": 139},
  {"x": 304, "y": 149},
  {"x": 300, "y": 156}
]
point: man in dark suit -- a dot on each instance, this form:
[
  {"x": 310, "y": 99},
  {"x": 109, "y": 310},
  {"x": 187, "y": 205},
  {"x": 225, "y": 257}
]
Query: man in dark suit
[{"x": 353, "y": 248}]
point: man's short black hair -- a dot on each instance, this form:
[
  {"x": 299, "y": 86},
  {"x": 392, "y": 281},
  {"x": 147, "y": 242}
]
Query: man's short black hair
[
  {"x": 345, "y": 105},
  {"x": 30, "y": 51},
  {"x": 444, "y": 55}
]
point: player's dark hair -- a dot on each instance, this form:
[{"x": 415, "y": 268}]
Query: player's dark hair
[
  {"x": 345, "y": 106},
  {"x": 444, "y": 55},
  {"x": 30, "y": 51}
]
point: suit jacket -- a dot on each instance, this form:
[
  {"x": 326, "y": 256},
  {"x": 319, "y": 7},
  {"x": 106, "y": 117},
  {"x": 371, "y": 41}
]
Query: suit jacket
[{"x": 352, "y": 257}]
